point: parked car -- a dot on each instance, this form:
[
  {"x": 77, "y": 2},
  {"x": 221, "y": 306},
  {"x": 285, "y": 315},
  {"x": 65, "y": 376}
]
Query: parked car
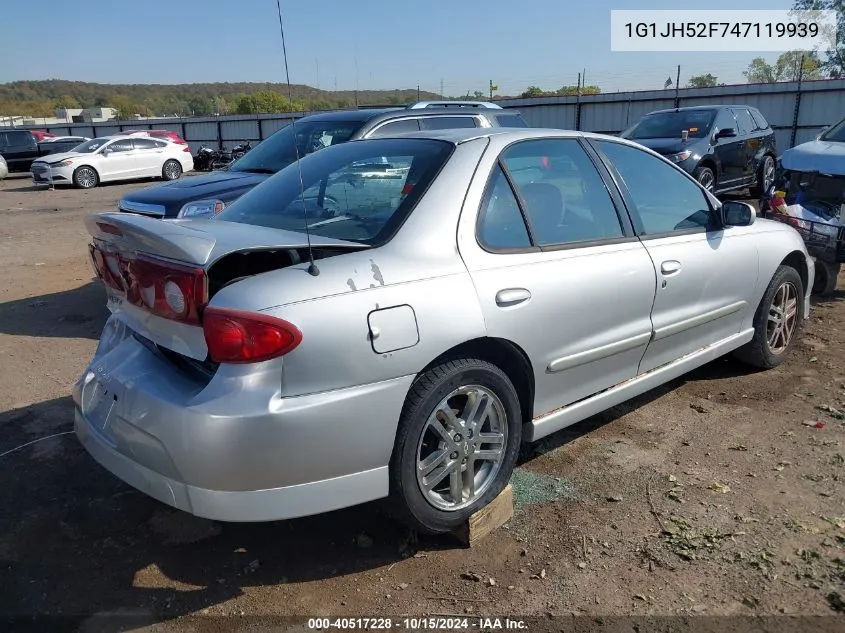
[
  {"x": 41, "y": 136},
  {"x": 162, "y": 134},
  {"x": 723, "y": 147},
  {"x": 114, "y": 158},
  {"x": 20, "y": 148},
  {"x": 811, "y": 180},
  {"x": 212, "y": 192},
  {"x": 466, "y": 296},
  {"x": 4, "y": 168}
]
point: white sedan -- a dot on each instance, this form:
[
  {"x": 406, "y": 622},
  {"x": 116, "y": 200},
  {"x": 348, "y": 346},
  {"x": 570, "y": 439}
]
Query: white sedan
[{"x": 113, "y": 158}]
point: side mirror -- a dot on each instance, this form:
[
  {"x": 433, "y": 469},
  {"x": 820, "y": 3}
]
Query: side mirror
[
  {"x": 735, "y": 213},
  {"x": 727, "y": 132},
  {"x": 106, "y": 151}
]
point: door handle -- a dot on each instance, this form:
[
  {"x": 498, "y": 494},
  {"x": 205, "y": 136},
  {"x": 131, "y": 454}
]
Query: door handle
[
  {"x": 670, "y": 267},
  {"x": 511, "y": 297}
]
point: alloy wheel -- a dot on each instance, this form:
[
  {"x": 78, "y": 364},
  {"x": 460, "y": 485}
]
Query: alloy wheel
[
  {"x": 706, "y": 180},
  {"x": 783, "y": 317},
  {"x": 768, "y": 173},
  {"x": 172, "y": 171},
  {"x": 462, "y": 447},
  {"x": 86, "y": 177}
]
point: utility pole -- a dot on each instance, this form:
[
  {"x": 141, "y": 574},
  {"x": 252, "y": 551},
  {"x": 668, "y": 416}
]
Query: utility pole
[
  {"x": 441, "y": 87},
  {"x": 418, "y": 92},
  {"x": 578, "y": 105},
  {"x": 678, "y": 87},
  {"x": 491, "y": 90},
  {"x": 797, "y": 103}
]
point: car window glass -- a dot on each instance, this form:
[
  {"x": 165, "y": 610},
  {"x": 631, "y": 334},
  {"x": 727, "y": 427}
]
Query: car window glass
[
  {"x": 160, "y": 143},
  {"x": 759, "y": 120},
  {"x": 743, "y": 118},
  {"x": 511, "y": 120},
  {"x": 500, "y": 223},
  {"x": 563, "y": 195},
  {"x": 18, "y": 138},
  {"x": 121, "y": 146},
  {"x": 666, "y": 200},
  {"x": 446, "y": 122},
  {"x": 3, "y": 140},
  {"x": 397, "y": 127},
  {"x": 359, "y": 191},
  {"x": 144, "y": 143},
  {"x": 725, "y": 119}
]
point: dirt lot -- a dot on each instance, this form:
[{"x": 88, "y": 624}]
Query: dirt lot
[{"x": 716, "y": 495}]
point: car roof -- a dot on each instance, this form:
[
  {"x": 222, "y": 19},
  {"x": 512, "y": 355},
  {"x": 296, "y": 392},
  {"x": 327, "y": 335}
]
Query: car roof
[
  {"x": 717, "y": 106},
  {"x": 462, "y": 135},
  {"x": 363, "y": 115}
]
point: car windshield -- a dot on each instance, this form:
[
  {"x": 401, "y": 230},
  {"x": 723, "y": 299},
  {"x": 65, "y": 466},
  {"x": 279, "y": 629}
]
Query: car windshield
[
  {"x": 360, "y": 192},
  {"x": 88, "y": 147},
  {"x": 670, "y": 124},
  {"x": 278, "y": 152},
  {"x": 836, "y": 134}
]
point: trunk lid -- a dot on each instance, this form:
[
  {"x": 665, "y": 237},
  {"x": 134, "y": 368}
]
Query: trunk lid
[{"x": 123, "y": 245}]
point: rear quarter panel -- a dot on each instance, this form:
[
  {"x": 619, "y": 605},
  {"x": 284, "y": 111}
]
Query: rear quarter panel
[
  {"x": 337, "y": 350},
  {"x": 775, "y": 242}
]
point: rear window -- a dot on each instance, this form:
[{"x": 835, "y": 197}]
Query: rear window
[
  {"x": 511, "y": 120},
  {"x": 447, "y": 122},
  {"x": 360, "y": 192},
  {"x": 760, "y": 120},
  {"x": 746, "y": 123}
]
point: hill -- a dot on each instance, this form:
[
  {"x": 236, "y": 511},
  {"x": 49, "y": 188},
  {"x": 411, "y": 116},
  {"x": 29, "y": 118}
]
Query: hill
[{"x": 40, "y": 98}]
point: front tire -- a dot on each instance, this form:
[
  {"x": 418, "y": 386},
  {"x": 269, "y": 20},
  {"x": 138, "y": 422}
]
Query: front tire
[
  {"x": 456, "y": 446},
  {"x": 776, "y": 322},
  {"x": 86, "y": 177},
  {"x": 171, "y": 170},
  {"x": 705, "y": 177}
]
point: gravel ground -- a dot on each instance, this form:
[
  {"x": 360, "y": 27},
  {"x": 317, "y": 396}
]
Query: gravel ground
[{"x": 719, "y": 494}]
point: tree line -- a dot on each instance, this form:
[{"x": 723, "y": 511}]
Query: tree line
[{"x": 42, "y": 98}]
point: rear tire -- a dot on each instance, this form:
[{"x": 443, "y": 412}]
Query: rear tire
[
  {"x": 459, "y": 415},
  {"x": 706, "y": 177},
  {"x": 824, "y": 283},
  {"x": 777, "y": 321},
  {"x": 765, "y": 177},
  {"x": 86, "y": 177},
  {"x": 171, "y": 170}
]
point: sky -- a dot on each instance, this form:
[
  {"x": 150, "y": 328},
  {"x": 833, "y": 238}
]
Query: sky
[{"x": 368, "y": 44}]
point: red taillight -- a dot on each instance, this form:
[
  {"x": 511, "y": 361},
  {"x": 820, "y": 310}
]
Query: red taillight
[
  {"x": 186, "y": 149},
  {"x": 167, "y": 289},
  {"x": 233, "y": 336}
]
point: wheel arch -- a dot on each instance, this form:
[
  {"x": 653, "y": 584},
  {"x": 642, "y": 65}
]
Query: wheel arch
[
  {"x": 796, "y": 260},
  {"x": 507, "y": 356}
]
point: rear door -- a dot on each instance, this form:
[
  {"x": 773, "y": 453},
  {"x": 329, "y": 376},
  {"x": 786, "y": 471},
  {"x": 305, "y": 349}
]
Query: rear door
[
  {"x": 752, "y": 142},
  {"x": 149, "y": 156},
  {"x": 18, "y": 148},
  {"x": 705, "y": 273},
  {"x": 729, "y": 151},
  {"x": 556, "y": 268}
]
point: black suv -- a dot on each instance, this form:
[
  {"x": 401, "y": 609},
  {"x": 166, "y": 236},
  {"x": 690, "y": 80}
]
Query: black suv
[
  {"x": 207, "y": 195},
  {"x": 724, "y": 147}
]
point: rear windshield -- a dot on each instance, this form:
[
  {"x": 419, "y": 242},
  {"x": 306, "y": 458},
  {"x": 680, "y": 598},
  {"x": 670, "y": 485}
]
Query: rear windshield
[
  {"x": 360, "y": 191},
  {"x": 671, "y": 124},
  {"x": 278, "y": 150}
]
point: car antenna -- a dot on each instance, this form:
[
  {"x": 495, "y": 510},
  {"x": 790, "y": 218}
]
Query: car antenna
[{"x": 312, "y": 267}]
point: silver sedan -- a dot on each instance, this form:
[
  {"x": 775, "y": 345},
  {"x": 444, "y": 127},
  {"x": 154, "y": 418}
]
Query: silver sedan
[{"x": 393, "y": 318}]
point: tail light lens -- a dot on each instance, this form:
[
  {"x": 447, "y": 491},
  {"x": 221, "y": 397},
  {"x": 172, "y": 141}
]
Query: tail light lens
[
  {"x": 186, "y": 149},
  {"x": 233, "y": 336},
  {"x": 167, "y": 289}
]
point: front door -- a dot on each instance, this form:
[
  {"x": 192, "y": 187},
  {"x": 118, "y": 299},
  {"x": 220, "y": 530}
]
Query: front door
[
  {"x": 704, "y": 271},
  {"x": 556, "y": 268},
  {"x": 120, "y": 161}
]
